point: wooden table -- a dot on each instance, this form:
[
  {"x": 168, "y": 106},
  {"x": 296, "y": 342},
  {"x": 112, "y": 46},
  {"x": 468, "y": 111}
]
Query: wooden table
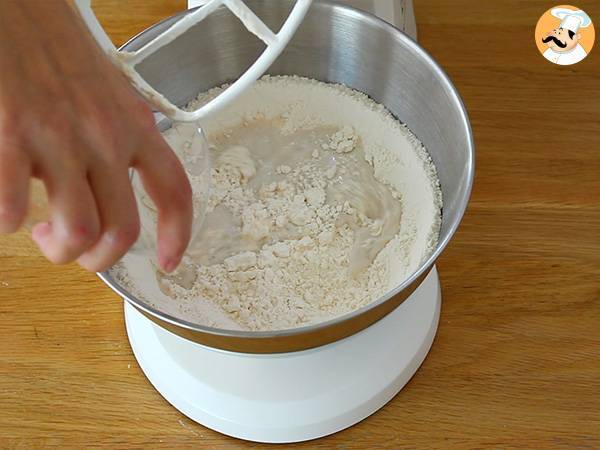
[{"x": 516, "y": 362}]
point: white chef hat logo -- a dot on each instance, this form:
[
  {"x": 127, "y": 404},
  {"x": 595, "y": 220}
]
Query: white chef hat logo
[
  {"x": 572, "y": 20},
  {"x": 565, "y": 35}
]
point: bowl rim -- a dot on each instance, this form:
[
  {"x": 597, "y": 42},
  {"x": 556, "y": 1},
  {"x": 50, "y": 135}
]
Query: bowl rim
[{"x": 426, "y": 265}]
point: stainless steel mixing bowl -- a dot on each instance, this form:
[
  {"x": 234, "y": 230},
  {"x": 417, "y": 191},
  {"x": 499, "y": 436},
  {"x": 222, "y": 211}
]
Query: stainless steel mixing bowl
[{"x": 337, "y": 44}]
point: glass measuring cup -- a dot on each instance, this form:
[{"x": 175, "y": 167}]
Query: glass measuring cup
[{"x": 188, "y": 142}]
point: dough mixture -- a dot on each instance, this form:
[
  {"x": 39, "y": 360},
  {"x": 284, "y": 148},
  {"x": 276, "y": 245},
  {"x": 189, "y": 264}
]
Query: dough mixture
[{"x": 319, "y": 203}]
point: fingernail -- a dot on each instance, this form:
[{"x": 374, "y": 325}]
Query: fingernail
[
  {"x": 40, "y": 232},
  {"x": 169, "y": 264}
]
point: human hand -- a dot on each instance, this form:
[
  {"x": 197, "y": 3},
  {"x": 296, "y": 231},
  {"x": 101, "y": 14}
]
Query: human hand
[{"x": 69, "y": 118}]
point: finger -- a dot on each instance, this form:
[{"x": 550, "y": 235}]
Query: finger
[
  {"x": 74, "y": 223},
  {"x": 15, "y": 170},
  {"x": 118, "y": 216},
  {"x": 166, "y": 182}
]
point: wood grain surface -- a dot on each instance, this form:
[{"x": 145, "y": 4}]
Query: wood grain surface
[{"x": 516, "y": 362}]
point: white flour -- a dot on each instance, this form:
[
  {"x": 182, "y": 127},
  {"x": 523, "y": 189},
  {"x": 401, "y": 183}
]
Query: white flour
[{"x": 320, "y": 203}]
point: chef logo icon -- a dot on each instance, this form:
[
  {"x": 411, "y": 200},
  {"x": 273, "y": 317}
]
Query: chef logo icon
[{"x": 565, "y": 35}]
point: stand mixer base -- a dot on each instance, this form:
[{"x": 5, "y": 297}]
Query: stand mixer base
[{"x": 290, "y": 397}]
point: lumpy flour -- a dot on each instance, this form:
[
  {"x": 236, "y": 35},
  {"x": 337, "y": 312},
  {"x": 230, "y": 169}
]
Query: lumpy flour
[{"x": 319, "y": 203}]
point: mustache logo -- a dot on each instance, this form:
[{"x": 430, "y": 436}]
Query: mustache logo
[{"x": 556, "y": 41}]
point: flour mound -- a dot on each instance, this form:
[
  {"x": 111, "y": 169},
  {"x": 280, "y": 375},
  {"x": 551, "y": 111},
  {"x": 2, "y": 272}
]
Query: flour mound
[{"x": 320, "y": 202}]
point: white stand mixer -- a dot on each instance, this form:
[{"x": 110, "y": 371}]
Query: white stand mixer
[
  {"x": 290, "y": 397},
  {"x": 284, "y": 397}
]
